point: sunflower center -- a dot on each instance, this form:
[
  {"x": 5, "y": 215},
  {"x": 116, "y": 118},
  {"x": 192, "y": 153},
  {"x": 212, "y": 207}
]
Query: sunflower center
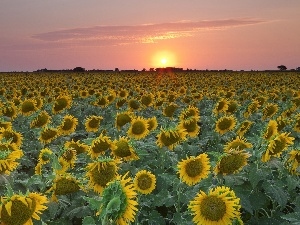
[
  {"x": 224, "y": 124},
  {"x": 28, "y": 106},
  {"x": 20, "y": 213},
  {"x": 94, "y": 123},
  {"x": 68, "y": 155},
  {"x": 190, "y": 125},
  {"x": 237, "y": 145},
  {"x": 60, "y": 104},
  {"x": 100, "y": 146},
  {"x": 122, "y": 149},
  {"x": 66, "y": 186},
  {"x": 220, "y": 106},
  {"x": 213, "y": 208},
  {"x": 68, "y": 124},
  {"x": 41, "y": 120},
  {"x": 48, "y": 134},
  {"x": 103, "y": 176},
  {"x": 138, "y": 127},
  {"x": 79, "y": 149},
  {"x": 144, "y": 181},
  {"x": 231, "y": 163},
  {"x": 134, "y": 104},
  {"x": 169, "y": 110},
  {"x": 146, "y": 100},
  {"x": 121, "y": 102},
  {"x": 297, "y": 157},
  {"x": 45, "y": 157},
  {"x": 194, "y": 168},
  {"x": 269, "y": 111},
  {"x": 122, "y": 119}
]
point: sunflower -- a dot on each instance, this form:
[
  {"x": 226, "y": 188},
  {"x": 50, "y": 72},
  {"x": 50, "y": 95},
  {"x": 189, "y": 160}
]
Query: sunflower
[
  {"x": 219, "y": 207},
  {"x": 6, "y": 125},
  {"x": 121, "y": 195},
  {"x": 41, "y": 120},
  {"x": 147, "y": 99},
  {"x": 232, "y": 106},
  {"x": 294, "y": 161},
  {"x": 170, "y": 109},
  {"x": 244, "y": 127},
  {"x": 120, "y": 102},
  {"x": 221, "y": 106},
  {"x": 19, "y": 210},
  {"x": 9, "y": 153},
  {"x": 138, "y": 128},
  {"x": 152, "y": 123},
  {"x": 191, "y": 126},
  {"x": 9, "y": 111},
  {"x": 124, "y": 150},
  {"x": 252, "y": 107},
  {"x": 239, "y": 143},
  {"x": 101, "y": 172},
  {"x": 194, "y": 169},
  {"x": 28, "y": 106},
  {"x": 92, "y": 123},
  {"x": 171, "y": 137},
  {"x": 13, "y": 136},
  {"x": 282, "y": 123},
  {"x": 232, "y": 162},
  {"x": 225, "y": 124},
  {"x": 101, "y": 101},
  {"x": 68, "y": 125},
  {"x": 123, "y": 93},
  {"x": 277, "y": 145},
  {"x": 269, "y": 110},
  {"x": 123, "y": 118},
  {"x": 61, "y": 103},
  {"x": 44, "y": 158},
  {"x": 271, "y": 130},
  {"x": 47, "y": 135},
  {"x": 100, "y": 145},
  {"x": 297, "y": 123},
  {"x": 191, "y": 111},
  {"x": 77, "y": 146},
  {"x": 63, "y": 184},
  {"x": 67, "y": 159},
  {"x": 144, "y": 182},
  {"x": 133, "y": 104}
]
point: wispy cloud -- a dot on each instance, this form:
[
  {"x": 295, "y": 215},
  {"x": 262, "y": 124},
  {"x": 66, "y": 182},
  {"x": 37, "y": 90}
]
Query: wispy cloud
[{"x": 144, "y": 33}]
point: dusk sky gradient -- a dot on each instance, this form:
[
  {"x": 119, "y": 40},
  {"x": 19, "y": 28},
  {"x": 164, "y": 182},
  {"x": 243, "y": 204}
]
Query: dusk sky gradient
[{"x": 135, "y": 34}]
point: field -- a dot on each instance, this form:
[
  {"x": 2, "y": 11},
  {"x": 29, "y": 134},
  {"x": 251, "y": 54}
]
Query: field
[{"x": 148, "y": 148}]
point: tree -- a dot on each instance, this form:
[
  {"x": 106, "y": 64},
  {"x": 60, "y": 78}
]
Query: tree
[
  {"x": 282, "y": 67},
  {"x": 298, "y": 68}
]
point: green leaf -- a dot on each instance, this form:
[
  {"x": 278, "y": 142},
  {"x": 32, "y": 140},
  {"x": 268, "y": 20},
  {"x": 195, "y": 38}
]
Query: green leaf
[
  {"x": 255, "y": 175},
  {"x": 88, "y": 221},
  {"x": 94, "y": 203},
  {"x": 113, "y": 205},
  {"x": 292, "y": 217},
  {"x": 276, "y": 192},
  {"x": 292, "y": 182}
]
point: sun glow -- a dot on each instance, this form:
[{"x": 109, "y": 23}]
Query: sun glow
[{"x": 164, "y": 59}]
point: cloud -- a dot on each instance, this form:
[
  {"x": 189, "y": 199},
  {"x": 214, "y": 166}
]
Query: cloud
[{"x": 144, "y": 33}]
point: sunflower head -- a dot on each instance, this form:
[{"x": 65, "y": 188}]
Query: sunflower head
[
  {"x": 191, "y": 126},
  {"x": 41, "y": 120},
  {"x": 48, "y": 134},
  {"x": 77, "y": 146},
  {"x": 171, "y": 137},
  {"x": 119, "y": 201},
  {"x": 244, "y": 127},
  {"x": 152, "y": 123},
  {"x": 225, "y": 124},
  {"x": 271, "y": 130},
  {"x": 147, "y": 99},
  {"x": 133, "y": 104},
  {"x": 232, "y": 162},
  {"x": 144, "y": 182},
  {"x": 194, "y": 169},
  {"x": 138, "y": 128},
  {"x": 191, "y": 111},
  {"x": 221, "y": 106},
  {"x": 239, "y": 143},
  {"x": 19, "y": 209},
  {"x": 124, "y": 149},
  {"x": 6, "y": 125},
  {"x": 101, "y": 172},
  {"x": 9, "y": 154},
  {"x": 219, "y": 206},
  {"x": 269, "y": 110},
  {"x": 92, "y": 123},
  {"x": 100, "y": 145},
  {"x": 68, "y": 125},
  {"x": 61, "y": 103},
  {"x": 170, "y": 109},
  {"x": 122, "y": 119},
  {"x": 13, "y": 136},
  {"x": 294, "y": 162},
  {"x": 28, "y": 106}
]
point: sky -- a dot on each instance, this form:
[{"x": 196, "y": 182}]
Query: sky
[{"x": 135, "y": 34}]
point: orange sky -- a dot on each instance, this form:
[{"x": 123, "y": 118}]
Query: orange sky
[{"x": 232, "y": 34}]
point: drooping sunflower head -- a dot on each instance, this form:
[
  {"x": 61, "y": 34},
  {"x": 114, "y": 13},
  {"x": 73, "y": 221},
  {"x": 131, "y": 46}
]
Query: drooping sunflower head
[
  {"x": 293, "y": 162},
  {"x": 133, "y": 104},
  {"x": 170, "y": 109},
  {"x": 232, "y": 162},
  {"x": 138, "y": 128},
  {"x": 28, "y": 106},
  {"x": 269, "y": 110},
  {"x": 277, "y": 145},
  {"x": 147, "y": 99},
  {"x": 123, "y": 118},
  {"x": 271, "y": 130},
  {"x": 68, "y": 125},
  {"x": 219, "y": 206},
  {"x": 61, "y": 103},
  {"x": 171, "y": 137},
  {"x": 79, "y": 147},
  {"x": 144, "y": 182},
  {"x": 67, "y": 159},
  {"x": 225, "y": 124},
  {"x": 124, "y": 149},
  {"x": 48, "y": 134},
  {"x": 194, "y": 169},
  {"x": 282, "y": 123},
  {"x": 19, "y": 209},
  {"x": 244, "y": 127},
  {"x": 101, "y": 172},
  {"x": 9, "y": 154},
  {"x": 100, "y": 145},
  {"x": 239, "y": 143},
  {"x": 92, "y": 123},
  {"x": 221, "y": 106},
  {"x": 64, "y": 184},
  {"x": 191, "y": 111},
  {"x": 41, "y": 120},
  {"x": 191, "y": 126},
  {"x": 152, "y": 123},
  {"x": 121, "y": 194},
  {"x": 13, "y": 136}
]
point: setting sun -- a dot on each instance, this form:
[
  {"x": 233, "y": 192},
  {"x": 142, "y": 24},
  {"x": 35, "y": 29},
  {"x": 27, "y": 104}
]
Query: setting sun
[{"x": 163, "y": 61}]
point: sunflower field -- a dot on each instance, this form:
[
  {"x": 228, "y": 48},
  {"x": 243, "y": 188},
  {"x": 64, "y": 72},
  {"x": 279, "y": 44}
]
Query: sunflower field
[{"x": 147, "y": 148}]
